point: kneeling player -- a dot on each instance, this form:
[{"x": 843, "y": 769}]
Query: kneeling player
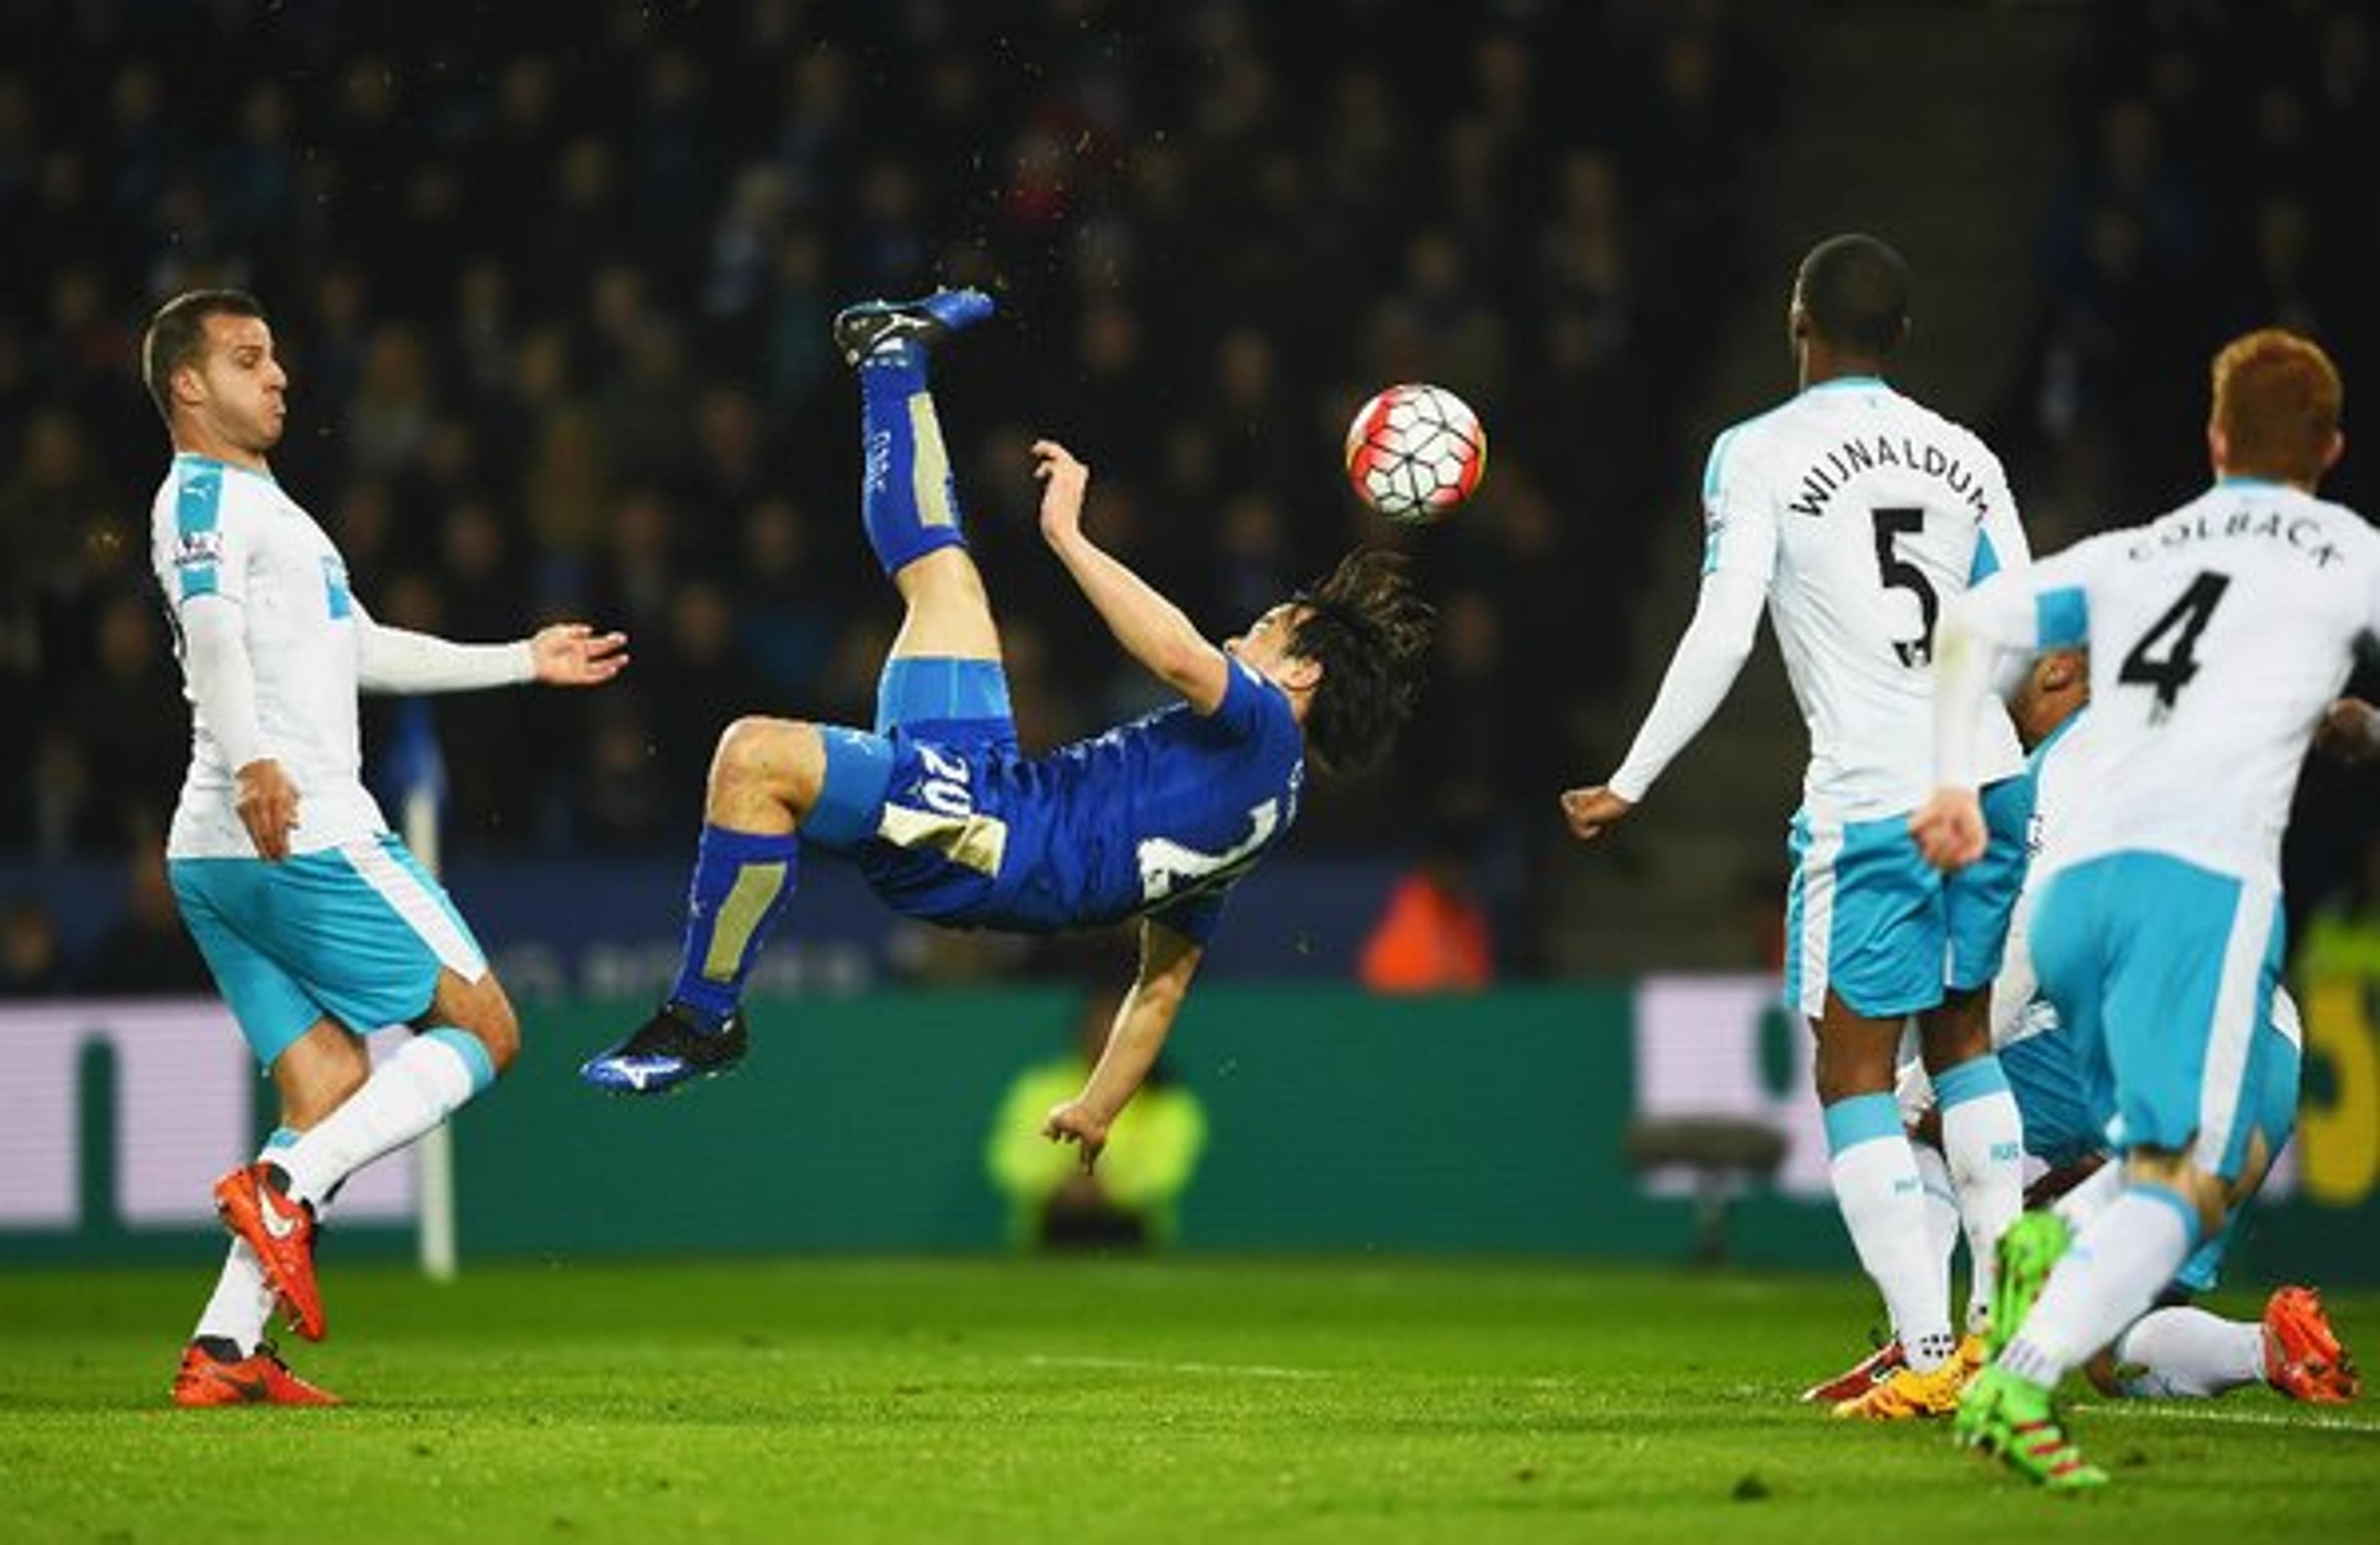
[{"x": 2175, "y": 1350}]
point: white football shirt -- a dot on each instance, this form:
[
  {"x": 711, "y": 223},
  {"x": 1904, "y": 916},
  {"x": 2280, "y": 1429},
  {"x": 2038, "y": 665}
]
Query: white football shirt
[
  {"x": 2219, "y": 635},
  {"x": 1863, "y": 512},
  {"x": 220, "y": 534}
]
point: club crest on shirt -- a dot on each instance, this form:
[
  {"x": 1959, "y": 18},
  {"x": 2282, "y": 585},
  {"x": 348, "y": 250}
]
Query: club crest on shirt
[{"x": 196, "y": 549}]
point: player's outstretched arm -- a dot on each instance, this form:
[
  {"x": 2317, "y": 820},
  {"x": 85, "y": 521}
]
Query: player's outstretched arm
[
  {"x": 1711, "y": 655},
  {"x": 1167, "y": 961},
  {"x": 1152, "y": 630},
  {"x": 398, "y": 659}
]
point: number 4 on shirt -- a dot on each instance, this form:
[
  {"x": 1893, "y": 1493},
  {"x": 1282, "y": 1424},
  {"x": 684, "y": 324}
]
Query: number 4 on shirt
[{"x": 2185, "y": 619}]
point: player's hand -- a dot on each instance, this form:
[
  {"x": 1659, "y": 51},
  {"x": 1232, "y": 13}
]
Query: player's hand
[
  {"x": 1949, "y": 828},
  {"x": 1074, "y": 1123},
  {"x": 1063, "y": 481},
  {"x": 572, "y": 654},
  {"x": 1593, "y": 811},
  {"x": 2350, "y": 731},
  {"x": 266, "y": 802}
]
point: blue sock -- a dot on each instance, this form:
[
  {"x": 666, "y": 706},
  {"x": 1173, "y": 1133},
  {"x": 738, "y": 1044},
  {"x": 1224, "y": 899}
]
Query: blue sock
[
  {"x": 742, "y": 882},
  {"x": 907, "y": 500}
]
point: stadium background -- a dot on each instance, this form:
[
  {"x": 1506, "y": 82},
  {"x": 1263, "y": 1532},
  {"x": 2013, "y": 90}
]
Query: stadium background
[{"x": 552, "y": 289}]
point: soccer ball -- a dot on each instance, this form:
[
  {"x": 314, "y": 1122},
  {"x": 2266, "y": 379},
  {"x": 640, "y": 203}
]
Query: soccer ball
[{"x": 1414, "y": 452}]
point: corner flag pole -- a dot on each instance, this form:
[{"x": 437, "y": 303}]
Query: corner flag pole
[{"x": 422, "y": 779}]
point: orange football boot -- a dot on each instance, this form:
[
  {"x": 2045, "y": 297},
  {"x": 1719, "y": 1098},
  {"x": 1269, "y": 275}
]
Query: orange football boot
[
  {"x": 1859, "y": 1378},
  {"x": 2302, "y": 1356},
  {"x": 254, "y": 1206},
  {"x": 261, "y": 1379}
]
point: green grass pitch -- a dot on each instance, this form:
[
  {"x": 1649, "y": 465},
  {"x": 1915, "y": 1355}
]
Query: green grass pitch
[{"x": 1185, "y": 1400}]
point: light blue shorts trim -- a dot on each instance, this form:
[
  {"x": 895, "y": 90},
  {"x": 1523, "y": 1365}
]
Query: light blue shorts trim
[
  {"x": 357, "y": 933},
  {"x": 1870, "y": 919},
  {"x": 2163, "y": 973}
]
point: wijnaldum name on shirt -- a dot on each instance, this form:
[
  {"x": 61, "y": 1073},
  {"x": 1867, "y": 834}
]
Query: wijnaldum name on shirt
[{"x": 1822, "y": 481}]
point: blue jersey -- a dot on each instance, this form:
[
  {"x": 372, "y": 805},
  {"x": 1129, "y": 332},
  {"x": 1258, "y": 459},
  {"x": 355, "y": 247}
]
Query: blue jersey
[{"x": 1157, "y": 816}]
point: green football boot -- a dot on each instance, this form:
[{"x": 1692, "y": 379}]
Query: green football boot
[
  {"x": 2016, "y": 1419},
  {"x": 2028, "y": 1252}
]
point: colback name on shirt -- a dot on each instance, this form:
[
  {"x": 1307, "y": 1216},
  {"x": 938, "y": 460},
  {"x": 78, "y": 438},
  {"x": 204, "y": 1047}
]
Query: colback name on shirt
[
  {"x": 2301, "y": 533},
  {"x": 1821, "y": 481}
]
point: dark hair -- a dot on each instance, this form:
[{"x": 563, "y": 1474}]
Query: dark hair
[
  {"x": 177, "y": 336},
  {"x": 1855, "y": 289},
  {"x": 1370, "y": 634},
  {"x": 2276, "y": 400}
]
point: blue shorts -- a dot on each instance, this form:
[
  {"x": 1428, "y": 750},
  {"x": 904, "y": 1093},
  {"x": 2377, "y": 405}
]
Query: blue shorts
[
  {"x": 2163, "y": 973},
  {"x": 900, "y": 800},
  {"x": 1868, "y": 917},
  {"x": 357, "y": 933}
]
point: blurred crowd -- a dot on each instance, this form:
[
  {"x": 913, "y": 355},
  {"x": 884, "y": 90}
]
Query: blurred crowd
[
  {"x": 553, "y": 295},
  {"x": 2216, "y": 184},
  {"x": 2213, "y": 185}
]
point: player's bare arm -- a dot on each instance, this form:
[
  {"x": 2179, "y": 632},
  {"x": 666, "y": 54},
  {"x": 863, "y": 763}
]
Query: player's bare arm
[
  {"x": 1709, "y": 655},
  {"x": 1167, "y": 961},
  {"x": 1152, "y": 630}
]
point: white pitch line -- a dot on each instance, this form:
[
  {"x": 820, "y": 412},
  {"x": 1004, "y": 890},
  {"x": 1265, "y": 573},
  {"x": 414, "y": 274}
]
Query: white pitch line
[
  {"x": 1144, "y": 1365},
  {"x": 2181, "y": 1411}
]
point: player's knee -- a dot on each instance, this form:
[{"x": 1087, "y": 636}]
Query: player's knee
[
  {"x": 499, "y": 1033},
  {"x": 479, "y": 1009},
  {"x": 1848, "y": 1064},
  {"x": 318, "y": 1073},
  {"x": 2176, "y": 1171},
  {"x": 1959, "y": 1030},
  {"x": 753, "y": 747}
]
